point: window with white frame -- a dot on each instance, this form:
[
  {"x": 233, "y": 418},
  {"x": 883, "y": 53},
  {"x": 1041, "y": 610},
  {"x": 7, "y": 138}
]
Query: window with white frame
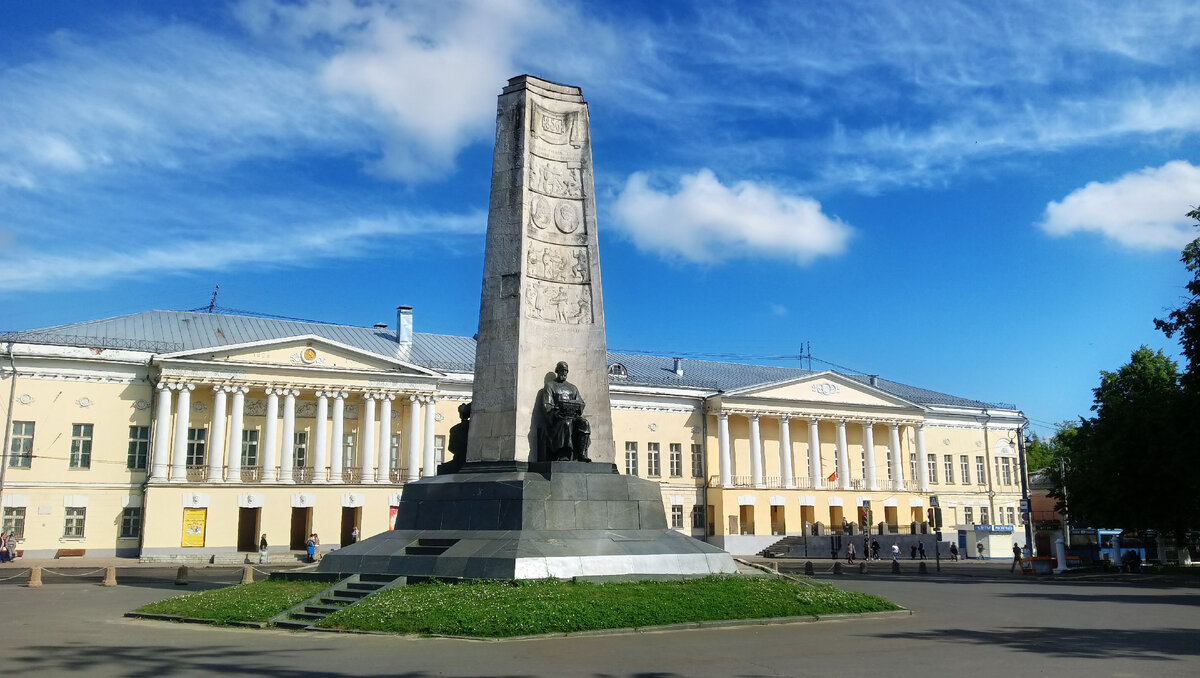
[
  {"x": 249, "y": 448},
  {"x": 197, "y": 444},
  {"x": 349, "y": 452},
  {"x": 931, "y": 462},
  {"x": 14, "y": 521},
  {"x": 73, "y": 524},
  {"x": 1006, "y": 468},
  {"x": 139, "y": 447},
  {"x": 968, "y": 515},
  {"x": 394, "y": 452},
  {"x": 131, "y": 522},
  {"x": 631, "y": 460},
  {"x": 676, "y": 516},
  {"x": 912, "y": 464},
  {"x": 676, "y": 452},
  {"x": 1012, "y": 515},
  {"x": 697, "y": 460},
  {"x": 300, "y": 449},
  {"x": 949, "y": 466},
  {"x": 20, "y": 450},
  {"x": 889, "y": 469},
  {"x": 81, "y": 446},
  {"x": 980, "y": 471},
  {"x": 862, "y": 465},
  {"x": 983, "y": 515},
  {"x": 996, "y": 463},
  {"x": 964, "y": 465},
  {"x": 439, "y": 449},
  {"x": 652, "y": 460}
]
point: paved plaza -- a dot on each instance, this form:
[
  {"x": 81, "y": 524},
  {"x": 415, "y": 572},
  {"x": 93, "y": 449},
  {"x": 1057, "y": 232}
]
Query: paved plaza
[{"x": 976, "y": 621}]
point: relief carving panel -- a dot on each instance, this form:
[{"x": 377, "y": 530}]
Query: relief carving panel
[
  {"x": 558, "y": 303},
  {"x": 558, "y": 264}
]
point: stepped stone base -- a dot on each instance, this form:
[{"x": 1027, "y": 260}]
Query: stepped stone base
[{"x": 511, "y": 520}]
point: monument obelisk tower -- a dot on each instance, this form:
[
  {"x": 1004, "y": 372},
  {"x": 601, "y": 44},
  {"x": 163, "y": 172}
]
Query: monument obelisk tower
[{"x": 542, "y": 301}]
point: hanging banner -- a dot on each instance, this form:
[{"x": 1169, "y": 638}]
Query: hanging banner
[{"x": 193, "y": 526}]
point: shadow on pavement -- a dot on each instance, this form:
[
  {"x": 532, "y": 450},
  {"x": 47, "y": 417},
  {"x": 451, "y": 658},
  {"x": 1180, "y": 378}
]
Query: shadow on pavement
[
  {"x": 1157, "y": 644},
  {"x": 1188, "y": 600}
]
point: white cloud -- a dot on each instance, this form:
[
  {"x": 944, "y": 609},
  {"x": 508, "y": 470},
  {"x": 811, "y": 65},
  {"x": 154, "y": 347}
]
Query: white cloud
[
  {"x": 1141, "y": 210},
  {"x": 706, "y": 221}
]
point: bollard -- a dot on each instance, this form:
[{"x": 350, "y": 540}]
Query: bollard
[
  {"x": 247, "y": 575},
  {"x": 921, "y": 568},
  {"x": 837, "y": 568},
  {"x": 808, "y": 568},
  {"x": 181, "y": 578},
  {"x": 895, "y": 567},
  {"x": 862, "y": 568},
  {"x": 110, "y": 577},
  {"x": 35, "y": 578}
]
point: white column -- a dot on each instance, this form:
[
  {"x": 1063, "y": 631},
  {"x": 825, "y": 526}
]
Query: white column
[
  {"x": 367, "y": 444},
  {"x": 843, "y": 457},
  {"x": 785, "y": 452},
  {"x": 756, "y": 453},
  {"x": 869, "y": 450},
  {"x": 179, "y": 448},
  {"x": 216, "y": 448},
  {"x": 922, "y": 462},
  {"x": 287, "y": 456},
  {"x": 897, "y": 460},
  {"x": 270, "y": 441},
  {"x": 320, "y": 444},
  {"x": 236, "y": 426},
  {"x": 725, "y": 462},
  {"x": 414, "y": 438},
  {"x": 814, "y": 455},
  {"x": 337, "y": 438},
  {"x": 384, "y": 474},
  {"x": 430, "y": 469},
  {"x": 162, "y": 434}
]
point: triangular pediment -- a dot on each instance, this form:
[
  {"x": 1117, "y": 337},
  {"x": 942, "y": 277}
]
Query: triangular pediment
[
  {"x": 827, "y": 388},
  {"x": 306, "y": 351}
]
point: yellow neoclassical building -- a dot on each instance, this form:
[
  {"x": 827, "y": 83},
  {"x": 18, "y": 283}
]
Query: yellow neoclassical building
[{"x": 188, "y": 436}]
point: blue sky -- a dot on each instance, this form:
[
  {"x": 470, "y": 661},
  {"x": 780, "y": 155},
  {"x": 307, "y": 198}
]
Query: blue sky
[{"x": 982, "y": 199}]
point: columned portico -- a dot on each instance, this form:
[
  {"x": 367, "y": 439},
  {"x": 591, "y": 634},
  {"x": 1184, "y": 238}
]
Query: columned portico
[
  {"x": 216, "y": 450},
  {"x": 897, "y": 460},
  {"x": 337, "y": 449},
  {"x": 725, "y": 465},
  {"x": 430, "y": 469},
  {"x": 320, "y": 445},
  {"x": 384, "y": 475},
  {"x": 843, "y": 456},
  {"x": 785, "y": 452},
  {"x": 414, "y": 440},
  {"x": 288, "y": 455},
  {"x": 756, "y": 453},
  {"x": 162, "y": 434},
  {"x": 814, "y": 455},
  {"x": 922, "y": 461},
  {"x": 270, "y": 443},
  {"x": 236, "y": 426},
  {"x": 367, "y": 444},
  {"x": 869, "y": 454},
  {"x": 179, "y": 448}
]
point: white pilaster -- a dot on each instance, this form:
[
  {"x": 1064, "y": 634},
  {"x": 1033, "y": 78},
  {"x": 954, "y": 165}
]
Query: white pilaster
[
  {"x": 814, "y": 454},
  {"x": 183, "y": 408},
  {"x": 384, "y": 474},
  {"x": 869, "y": 450},
  {"x": 287, "y": 457},
  {"x": 320, "y": 444},
  {"x": 725, "y": 461},
  {"x": 367, "y": 445},
  {"x": 162, "y": 435},
  {"x": 785, "y": 452},
  {"x": 756, "y": 453},
  {"x": 270, "y": 440},
  {"x": 414, "y": 438},
  {"x": 922, "y": 462},
  {"x": 843, "y": 456},
  {"x": 233, "y": 473},
  {"x": 897, "y": 460},
  {"x": 430, "y": 469},
  {"x": 216, "y": 449},
  {"x": 337, "y": 438}
]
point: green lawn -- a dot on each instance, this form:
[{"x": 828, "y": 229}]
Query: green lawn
[
  {"x": 501, "y": 609},
  {"x": 249, "y": 602}
]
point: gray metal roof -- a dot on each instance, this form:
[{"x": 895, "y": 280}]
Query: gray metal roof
[{"x": 164, "y": 332}]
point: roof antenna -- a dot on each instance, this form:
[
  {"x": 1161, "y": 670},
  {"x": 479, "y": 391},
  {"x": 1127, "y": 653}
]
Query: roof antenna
[{"x": 212, "y": 303}]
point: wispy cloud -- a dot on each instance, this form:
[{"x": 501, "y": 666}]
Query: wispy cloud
[
  {"x": 707, "y": 221},
  {"x": 1143, "y": 210}
]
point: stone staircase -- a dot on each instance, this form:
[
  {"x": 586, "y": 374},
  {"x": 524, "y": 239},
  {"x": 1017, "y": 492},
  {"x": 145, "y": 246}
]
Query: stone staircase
[
  {"x": 343, "y": 594},
  {"x": 781, "y": 547},
  {"x": 228, "y": 558}
]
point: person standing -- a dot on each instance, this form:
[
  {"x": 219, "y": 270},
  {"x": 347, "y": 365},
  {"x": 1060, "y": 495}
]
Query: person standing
[
  {"x": 874, "y": 548},
  {"x": 354, "y": 535},
  {"x": 850, "y": 553},
  {"x": 954, "y": 552},
  {"x": 310, "y": 547},
  {"x": 1016, "y": 557},
  {"x": 11, "y": 544},
  {"x": 921, "y": 549},
  {"x": 912, "y": 552},
  {"x": 263, "y": 558},
  {"x": 895, "y": 552}
]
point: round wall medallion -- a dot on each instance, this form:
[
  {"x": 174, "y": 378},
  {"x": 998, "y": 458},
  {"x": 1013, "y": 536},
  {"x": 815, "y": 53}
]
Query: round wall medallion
[
  {"x": 25, "y": 399},
  {"x": 565, "y": 218},
  {"x": 141, "y": 405},
  {"x": 653, "y": 427},
  {"x": 84, "y": 402},
  {"x": 438, "y": 417},
  {"x": 308, "y": 355},
  {"x": 539, "y": 210},
  {"x": 945, "y": 441}
]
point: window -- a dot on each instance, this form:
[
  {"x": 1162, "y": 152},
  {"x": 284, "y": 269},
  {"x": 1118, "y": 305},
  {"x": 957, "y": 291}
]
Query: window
[
  {"x": 983, "y": 516},
  {"x": 139, "y": 447},
  {"x": 676, "y": 516},
  {"x": 964, "y": 465},
  {"x": 631, "y": 464},
  {"x": 14, "y": 521},
  {"x": 73, "y": 525},
  {"x": 1012, "y": 515},
  {"x": 300, "y": 449},
  {"x": 912, "y": 465},
  {"x": 676, "y": 460},
  {"x": 949, "y": 464},
  {"x": 863, "y": 463},
  {"x": 196, "y": 444},
  {"x": 889, "y": 468},
  {"x": 20, "y": 451},
  {"x": 618, "y": 370},
  {"x": 1006, "y": 467},
  {"x": 249, "y": 448},
  {"x": 439, "y": 449},
  {"x": 698, "y": 516},
  {"x": 81, "y": 446},
  {"x": 697, "y": 461},
  {"x": 968, "y": 515},
  {"x": 996, "y": 463},
  {"x": 931, "y": 460},
  {"x": 394, "y": 452},
  {"x": 350, "y": 452},
  {"x": 131, "y": 522},
  {"x": 980, "y": 471},
  {"x": 652, "y": 462}
]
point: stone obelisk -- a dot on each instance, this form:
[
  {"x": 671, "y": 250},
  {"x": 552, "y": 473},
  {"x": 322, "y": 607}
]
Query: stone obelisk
[{"x": 542, "y": 301}]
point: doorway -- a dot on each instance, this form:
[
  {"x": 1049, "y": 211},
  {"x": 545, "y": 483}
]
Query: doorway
[
  {"x": 351, "y": 518},
  {"x": 301, "y": 527},
  {"x": 248, "y": 521},
  {"x": 746, "y": 513},
  {"x": 836, "y": 518},
  {"x": 778, "y": 522}
]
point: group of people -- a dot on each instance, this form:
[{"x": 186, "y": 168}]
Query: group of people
[
  {"x": 8, "y": 547},
  {"x": 852, "y": 553},
  {"x": 313, "y": 547}
]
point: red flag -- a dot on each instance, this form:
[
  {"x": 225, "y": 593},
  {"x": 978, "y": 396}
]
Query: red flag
[{"x": 832, "y": 477}]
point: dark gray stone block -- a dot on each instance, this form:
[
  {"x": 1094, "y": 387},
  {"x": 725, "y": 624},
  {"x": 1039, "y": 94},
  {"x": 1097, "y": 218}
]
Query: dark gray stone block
[
  {"x": 591, "y": 515},
  {"x": 651, "y": 515},
  {"x": 560, "y": 515},
  {"x": 570, "y": 486},
  {"x": 607, "y": 488},
  {"x": 623, "y": 515}
]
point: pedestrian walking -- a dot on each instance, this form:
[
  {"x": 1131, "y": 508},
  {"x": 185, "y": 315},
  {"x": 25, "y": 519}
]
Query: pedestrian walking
[
  {"x": 1016, "y": 557},
  {"x": 921, "y": 549},
  {"x": 954, "y": 552},
  {"x": 875, "y": 548},
  {"x": 912, "y": 552},
  {"x": 850, "y": 553},
  {"x": 263, "y": 557},
  {"x": 895, "y": 552}
]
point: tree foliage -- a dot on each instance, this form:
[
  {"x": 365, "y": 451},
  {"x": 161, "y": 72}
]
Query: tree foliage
[
  {"x": 1038, "y": 453},
  {"x": 1185, "y": 320}
]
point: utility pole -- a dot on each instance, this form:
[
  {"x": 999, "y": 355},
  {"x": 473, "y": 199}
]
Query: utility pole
[{"x": 1025, "y": 490}]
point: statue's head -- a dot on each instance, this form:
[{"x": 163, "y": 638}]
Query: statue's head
[
  {"x": 464, "y": 411},
  {"x": 560, "y": 371}
]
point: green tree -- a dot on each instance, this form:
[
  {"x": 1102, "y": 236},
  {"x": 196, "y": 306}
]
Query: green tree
[
  {"x": 1038, "y": 453},
  {"x": 1185, "y": 320}
]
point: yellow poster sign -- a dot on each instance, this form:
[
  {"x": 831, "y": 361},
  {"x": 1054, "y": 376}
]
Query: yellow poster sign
[{"x": 193, "y": 526}]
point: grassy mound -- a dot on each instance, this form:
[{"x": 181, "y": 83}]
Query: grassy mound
[
  {"x": 249, "y": 602},
  {"x": 501, "y": 609}
]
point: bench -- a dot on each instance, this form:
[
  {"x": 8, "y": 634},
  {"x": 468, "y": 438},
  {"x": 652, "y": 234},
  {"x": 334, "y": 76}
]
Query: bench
[{"x": 70, "y": 553}]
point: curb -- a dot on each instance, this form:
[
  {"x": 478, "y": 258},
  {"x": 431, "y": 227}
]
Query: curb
[{"x": 194, "y": 620}]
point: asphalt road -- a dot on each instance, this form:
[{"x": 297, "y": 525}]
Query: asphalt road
[{"x": 960, "y": 625}]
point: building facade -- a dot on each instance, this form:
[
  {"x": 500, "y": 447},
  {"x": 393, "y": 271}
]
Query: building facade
[{"x": 188, "y": 436}]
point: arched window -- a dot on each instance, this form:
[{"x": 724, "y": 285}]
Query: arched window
[{"x": 617, "y": 370}]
